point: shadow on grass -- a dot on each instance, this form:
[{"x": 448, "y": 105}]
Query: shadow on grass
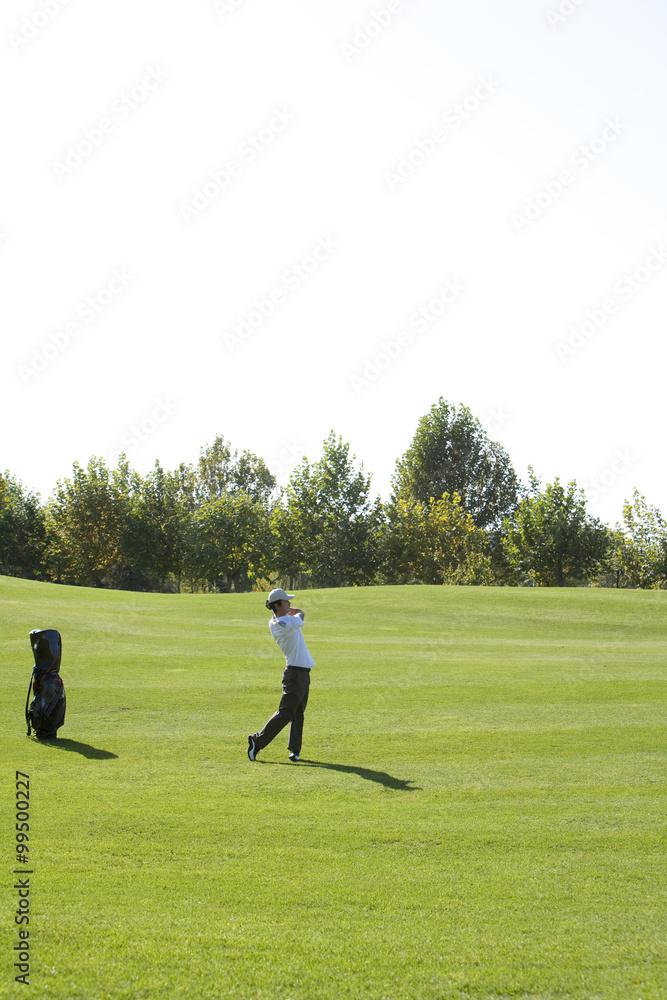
[
  {"x": 381, "y": 777},
  {"x": 74, "y": 747}
]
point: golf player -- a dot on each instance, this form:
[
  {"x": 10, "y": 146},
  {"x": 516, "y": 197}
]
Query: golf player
[{"x": 286, "y": 628}]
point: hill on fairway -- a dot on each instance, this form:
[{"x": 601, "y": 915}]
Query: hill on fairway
[{"x": 477, "y": 814}]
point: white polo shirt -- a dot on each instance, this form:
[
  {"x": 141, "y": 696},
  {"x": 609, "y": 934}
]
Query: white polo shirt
[{"x": 286, "y": 630}]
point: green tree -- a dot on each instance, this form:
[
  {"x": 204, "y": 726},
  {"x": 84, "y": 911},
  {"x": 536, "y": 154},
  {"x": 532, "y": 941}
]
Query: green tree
[
  {"x": 333, "y": 525},
  {"x": 221, "y": 471},
  {"x": 23, "y": 537},
  {"x": 435, "y": 542},
  {"x": 612, "y": 571},
  {"x": 290, "y": 556},
  {"x": 226, "y": 507},
  {"x": 552, "y": 540},
  {"x": 230, "y": 543},
  {"x": 451, "y": 453},
  {"x": 641, "y": 544},
  {"x": 88, "y": 517},
  {"x": 154, "y": 541}
]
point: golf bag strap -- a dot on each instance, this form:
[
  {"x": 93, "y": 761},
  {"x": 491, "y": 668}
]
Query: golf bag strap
[{"x": 27, "y": 702}]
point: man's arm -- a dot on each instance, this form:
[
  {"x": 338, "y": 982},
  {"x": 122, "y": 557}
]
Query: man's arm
[{"x": 298, "y": 612}]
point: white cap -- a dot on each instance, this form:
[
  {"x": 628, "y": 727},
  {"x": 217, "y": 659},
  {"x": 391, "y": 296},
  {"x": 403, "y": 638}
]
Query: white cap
[{"x": 279, "y": 595}]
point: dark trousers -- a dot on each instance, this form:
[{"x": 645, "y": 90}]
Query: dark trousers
[{"x": 296, "y": 684}]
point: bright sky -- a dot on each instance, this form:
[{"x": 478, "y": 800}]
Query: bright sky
[{"x": 272, "y": 220}]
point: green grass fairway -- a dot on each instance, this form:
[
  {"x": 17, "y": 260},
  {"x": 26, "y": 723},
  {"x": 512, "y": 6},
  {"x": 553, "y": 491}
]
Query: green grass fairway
[{"x": 479, "y": 812}]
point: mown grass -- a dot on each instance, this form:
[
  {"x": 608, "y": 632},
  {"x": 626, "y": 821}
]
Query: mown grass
[{"x": 478, "y": 814}]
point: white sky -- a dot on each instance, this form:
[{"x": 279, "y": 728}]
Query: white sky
[{"x": 157, "y": 95}]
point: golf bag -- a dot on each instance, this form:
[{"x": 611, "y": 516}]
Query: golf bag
[{"x": 46, "y": 713}]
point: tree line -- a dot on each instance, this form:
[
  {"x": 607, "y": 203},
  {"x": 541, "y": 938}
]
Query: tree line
[{"x": 457, "y": 514}]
